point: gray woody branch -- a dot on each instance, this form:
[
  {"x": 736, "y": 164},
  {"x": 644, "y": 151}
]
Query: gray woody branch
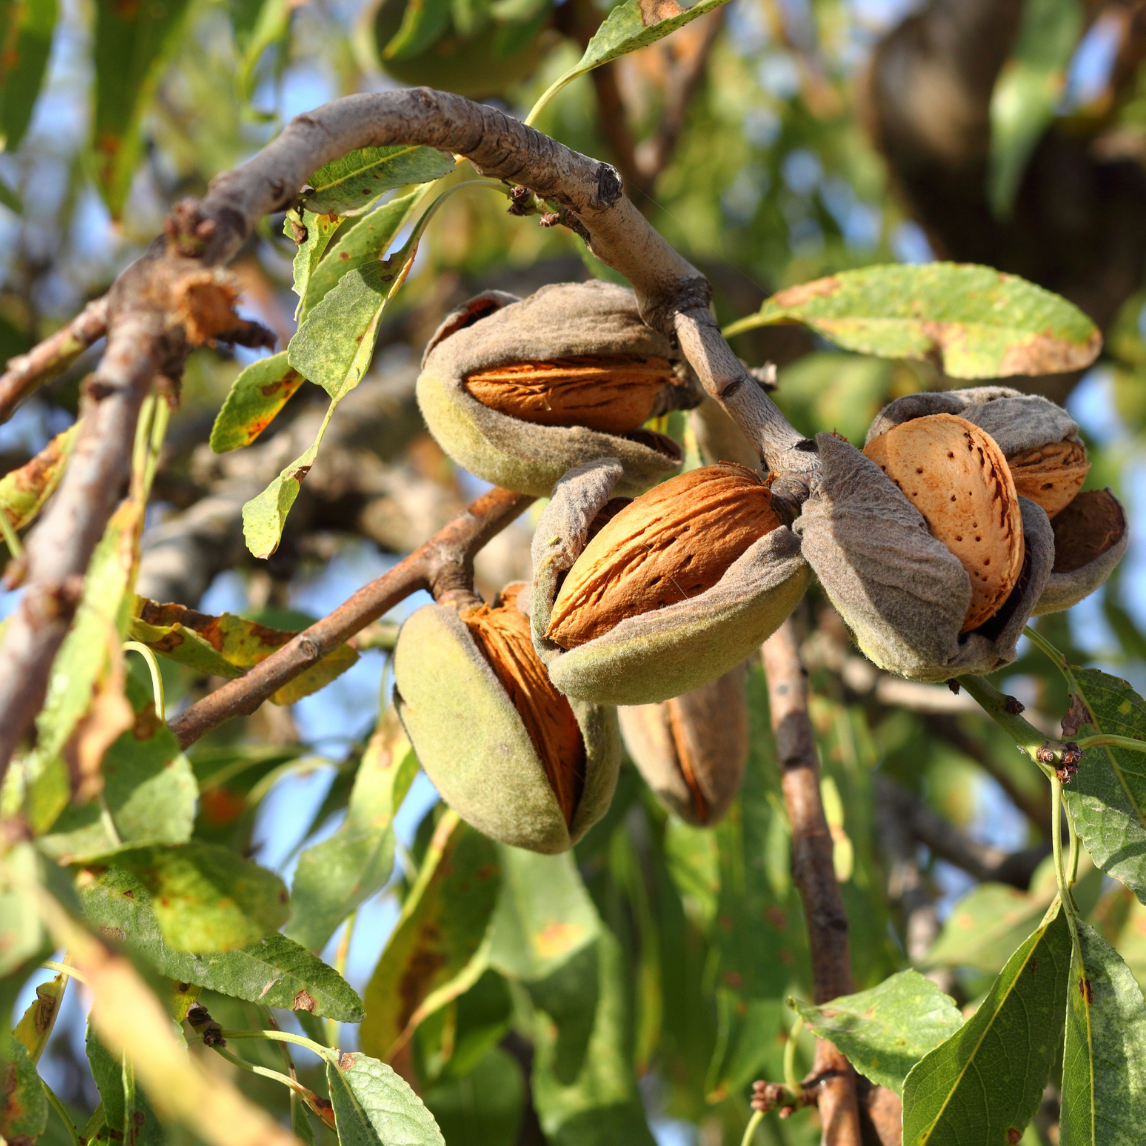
[{"x": 145, "y": 338}]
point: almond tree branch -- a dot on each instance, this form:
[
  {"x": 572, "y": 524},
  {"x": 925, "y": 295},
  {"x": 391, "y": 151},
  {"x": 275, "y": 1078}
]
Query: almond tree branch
[
  {"x": 813, "y": 873},
  {"x": 148, "y": 331},
  {"x": 444, "y": 566},
  {"x": 26, "y": 372}
]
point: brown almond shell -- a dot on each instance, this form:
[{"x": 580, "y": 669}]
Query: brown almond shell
[
  {"x": 663, "y": 653},
  {"x": 569, "y": 327},
  {"x": 473, "y": 744},
  {"x": 691, "y": 750},
  {"x": 900, "y": 590}
]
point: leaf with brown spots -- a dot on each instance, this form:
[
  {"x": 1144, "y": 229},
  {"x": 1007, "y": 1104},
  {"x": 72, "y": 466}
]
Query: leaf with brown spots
[
  {"x": 256, "y": 396},
  {"x": 23, "y": 1104},
  {"x": 373, "y": 1106},
  {"x": 36, "y": 1025},
  {"x": 24, "y": 490},
  {"x": 972, "y": 321},
  {"x": 227, "y": 645},
  {"x": 430, "y": 956}
]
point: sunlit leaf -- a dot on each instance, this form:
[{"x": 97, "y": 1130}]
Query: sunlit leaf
[
  {"x": 1107, "y": 799},
  {"x": 274, "y": 970},
  {"x": 21, "y": 934},
  {"x": 38, "y": 1021},
  {"x": 351, "y": 184},
  {"x": 1103, "y": 1070},
  {"x": 24, "y": 490},
  {"x": 444, "y": 919},
  {"x": 317, "y": 231},
  {"x": 228, "y": 645},
  {"x": 374, "y": 1107},
  {"x": 630, "y": 25},
  {"x": 985, "y": 1082},
  {"x": 256, "y": 396},
  {"x": 973, "y": 321},
  {"x": 207, "y": 898},
  {"x": 885, "y": 1031},
  {"x": 338, "y": 874}
]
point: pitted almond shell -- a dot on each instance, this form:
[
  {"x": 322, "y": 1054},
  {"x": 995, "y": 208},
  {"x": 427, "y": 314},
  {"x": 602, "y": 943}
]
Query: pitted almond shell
[
  {"x": 503, "y": 637},
  {"x": 1051, "y": 475},
  {"x": 669, "y": 545},
  {"x": 958, "y": 479},
  {"x": 613, "y": 393}
]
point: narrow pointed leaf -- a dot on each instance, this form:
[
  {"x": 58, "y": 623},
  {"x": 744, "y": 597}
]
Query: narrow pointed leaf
[
  {"x": 274, "y": 970},
  {"x": 37, "y": 1023},
  {"x": 885, "y": 1031},
  {"x": 985, "y": 1082},
  {"x": 256, "y": 396},
  {"x": 444, "y": 920},
  {"x": 319, "y": 230},
  {"x": 374, "y": 1107},
  {"x": 26, "y": 28},
  {"x": 1107, "y": 799},
  {"x": 423, "y": 22},
  {"x": 24, "y": 490},
  {"x": 349, "y": 185},
  {"x": 337, "y": 875},
  {"x": 227, "y": 645},
  {"x": 974, "y": 321},
  {"x": 126, "y": 1110},
  {"x": 1104, "y": 1067}
]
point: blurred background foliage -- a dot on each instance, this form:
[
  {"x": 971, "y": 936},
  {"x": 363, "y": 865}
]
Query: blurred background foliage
[{"x": 771, "y": 142}]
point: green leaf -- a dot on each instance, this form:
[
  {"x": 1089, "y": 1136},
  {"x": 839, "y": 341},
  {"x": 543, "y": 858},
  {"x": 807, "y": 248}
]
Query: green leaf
[
  {"x": 227, "y": 645},
  {"x": 1107, "y": 799},
  {"x": 37, "y": 1023},
  {"x": 630, "y": 25},
  {"x": 584, "y": 1084},
  {"x": 126, "y": 1111},
  {"x": 24, "y": 1112},
  {"x": 365, "y": 242},
  {"x": 335, "y": 342},
  {"x": 374, "y": 1107},
  {"x": 1103, "y": 1071},
  {"x": 985, "y": 1082},
  {"x": 318, "y": 230},
  {"x": 885, "y": 1031},
  {"x": 349, "y": 185},
  {"x": 337, "y": 875},
  {"x": 1027, "y": 93},
  {"x": 444, "y": 920},
  {"x": 205, "y": 897},
  {"x": 26, "y": 28},
  {"x": 257, "y": 27},
  {"x": 24, "y": 490},
  {"x": 256, "y": 396},
  {"x": 975, "y": 322},
  {"x": 423, "y": 22},
  {"x": 264, "y": 516},
  {"x": 22, "y": 935},
  {"x": 485, "y": 1106},
  {"x": 274, "y": 970},
  {"x": 149, "y": 792},
  {"x": 132, "y": 42},
  {"x": 544, "y": 914}
]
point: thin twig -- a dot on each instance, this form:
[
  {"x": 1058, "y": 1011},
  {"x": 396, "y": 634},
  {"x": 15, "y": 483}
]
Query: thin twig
[
  {"x": 444, "y": 565},
  {"x": 813, "y": 873},
  {"x": 26, "y": 372}
]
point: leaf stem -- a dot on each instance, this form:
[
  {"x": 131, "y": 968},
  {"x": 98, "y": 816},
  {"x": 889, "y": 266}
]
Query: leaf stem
[
  {"x": 66, "y": 969},
  {"x": 156, "y": 676},
  {"x": 1004, "y": 710},
  {"x": 1103, "y": 740},
  {"x": 266, "y": 1072},
  {"x": 750, "y": 1129},
  {"x": 11, "y": 538},
  {"x": 1043, "y": 645},
  {"x": 790, "y": 1079},
  {"x": 283, "y": 1037},
  {"x": 65, "y": 1118}
]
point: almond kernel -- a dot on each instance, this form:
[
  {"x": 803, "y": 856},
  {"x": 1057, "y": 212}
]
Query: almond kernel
[
  {"x": 671, "y": 544},
  {"x": 1050, "y": 476},
  {"x": 956, "y": 476},
  {"x": 612, "y": 393},
  {"x": 503, "y": 637}
]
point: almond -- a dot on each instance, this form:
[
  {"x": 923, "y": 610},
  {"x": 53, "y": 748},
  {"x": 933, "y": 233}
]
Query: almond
[
  {"x": 670, "y": 544},
  {"x": 956, "y": 476},
  {"x": 613, "y": 393},
  {"x": 503, "y": 637},
  {"x": 1050, "y": 476}
]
